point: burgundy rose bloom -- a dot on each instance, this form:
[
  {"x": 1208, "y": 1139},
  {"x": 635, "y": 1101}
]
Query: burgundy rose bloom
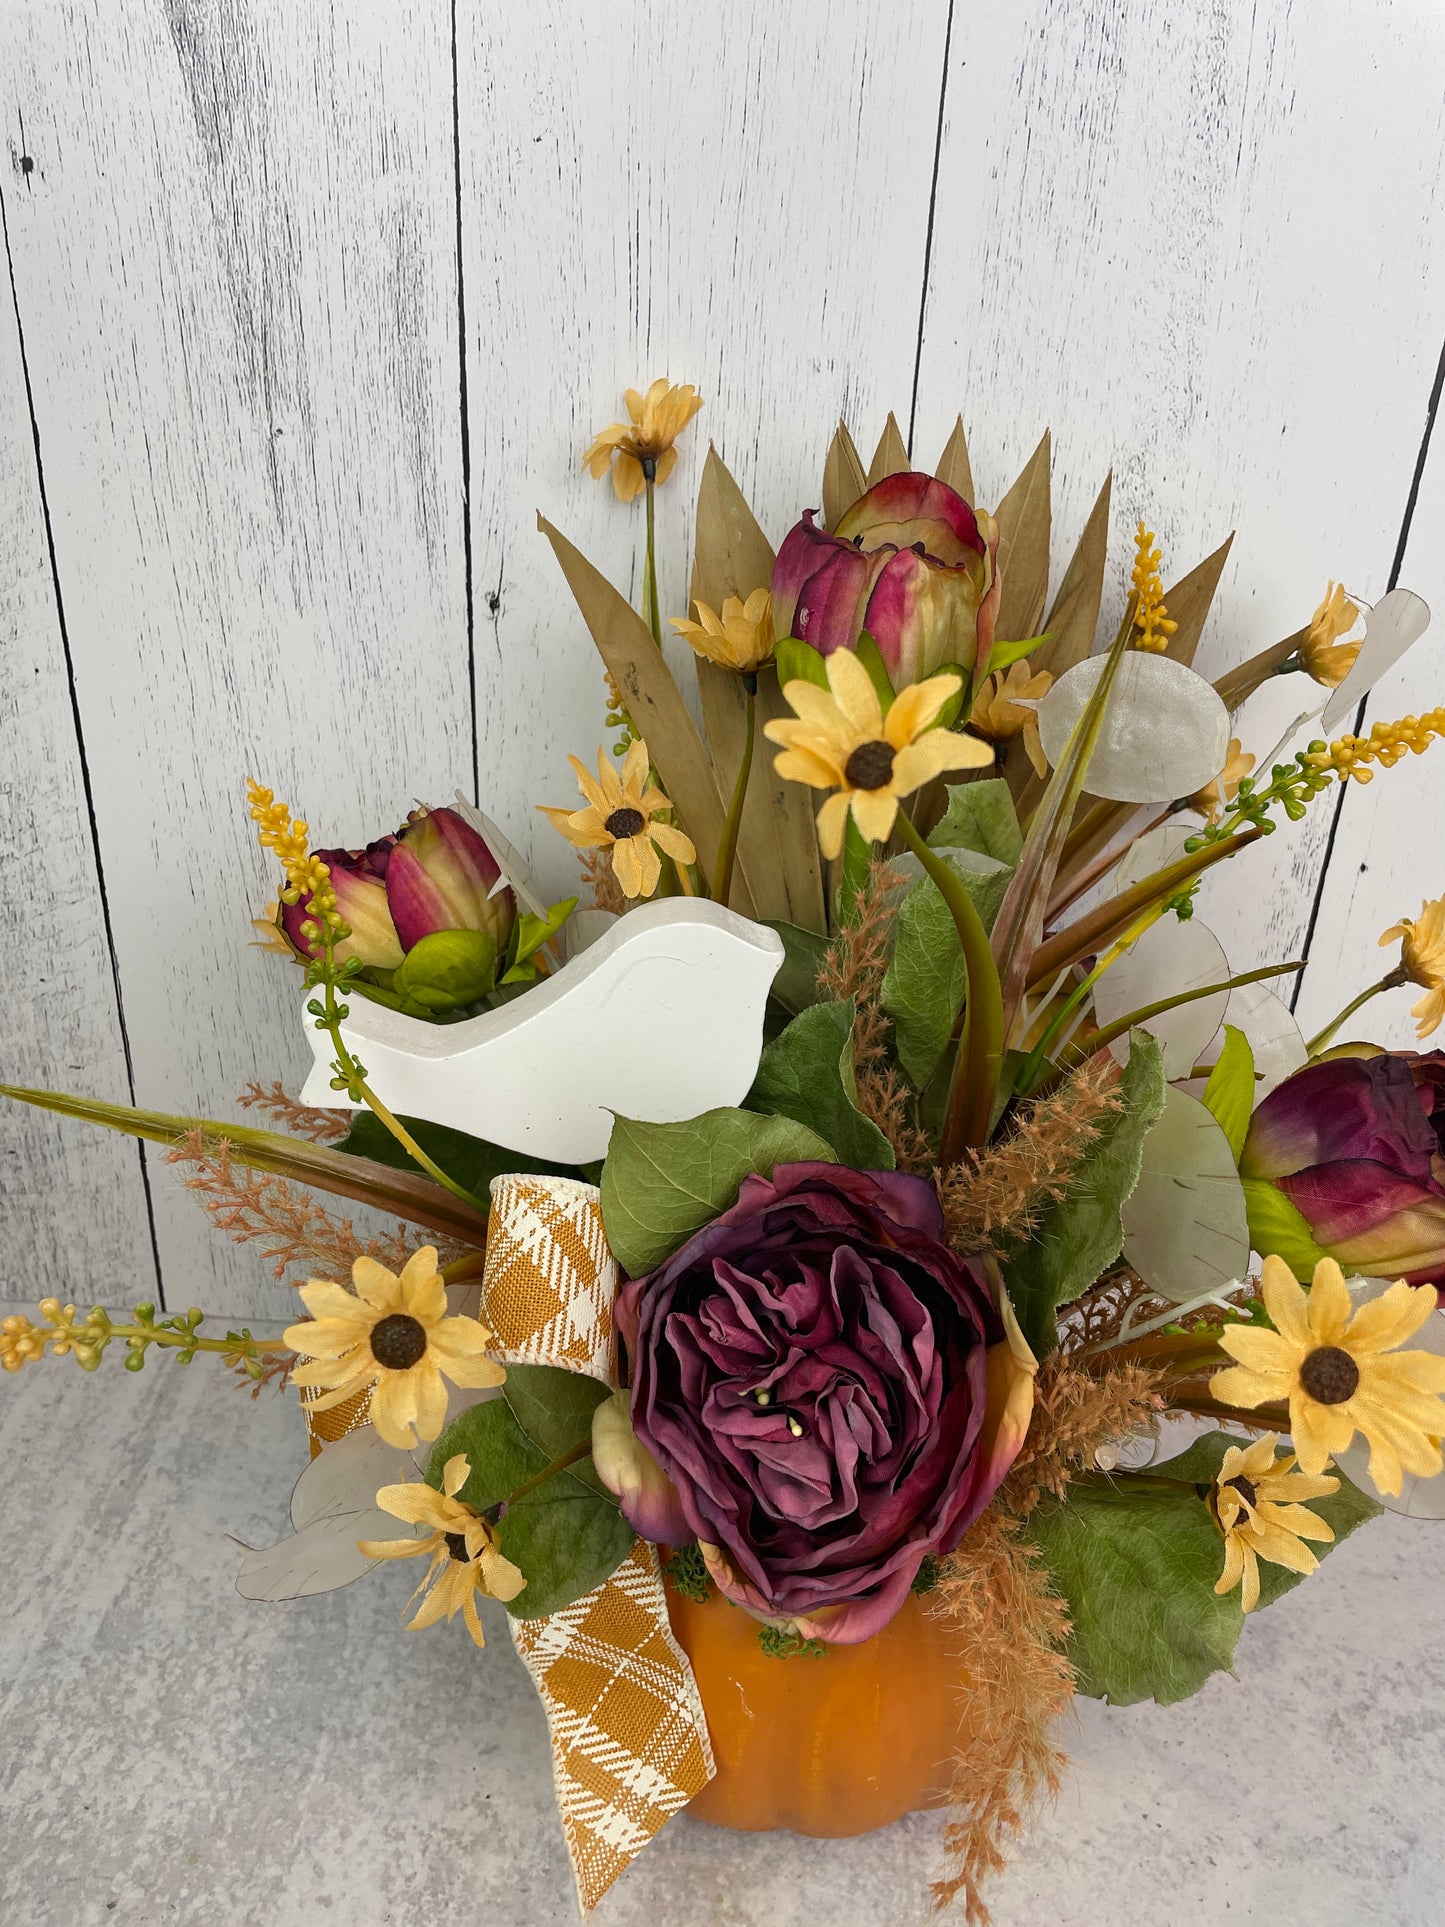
[
  {"x": 812, "y": 1373},
  {"x": 911, "y": 563},
  {"x": 1357, "y": 1146}
]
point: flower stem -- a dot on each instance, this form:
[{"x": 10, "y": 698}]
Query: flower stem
[
  {"x": 651, "y": 613},
  {"x": 1391, "y": 980},
  {"x": 980, "y": 1052},
  {"x": 722, "y": 882},
  {"x": 570, "y": 1457}
]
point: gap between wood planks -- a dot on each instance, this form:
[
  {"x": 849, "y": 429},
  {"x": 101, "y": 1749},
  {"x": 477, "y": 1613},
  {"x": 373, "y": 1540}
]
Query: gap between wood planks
[
  {"x": 86, "y": 788},
  {"x": 1431, "y": 410},
  {"x": 928, "y": 232}
]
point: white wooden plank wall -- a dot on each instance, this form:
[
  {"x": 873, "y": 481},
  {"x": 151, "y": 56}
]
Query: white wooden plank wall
[{"x": 268, "y": 261}]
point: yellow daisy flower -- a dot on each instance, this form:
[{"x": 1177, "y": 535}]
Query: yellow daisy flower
[
  {"x": 645, "y": 442},
  {"x": 741, "y": 638},
  {"x": 1213, "y": 799},
  {"x": 1332, "y": 1368},
  {"x": 1422, "y": 958},
  {"x": 842, "y": 741},
  {"x": 998, "y": 715},
  {"x": 1321, "y": 654},
  {"x": 462, "y": 1544},
  {"x": 393, "y": 1333},
  {"x": 1255, "y": 1503},
  {"x": 621, "y": 814}
]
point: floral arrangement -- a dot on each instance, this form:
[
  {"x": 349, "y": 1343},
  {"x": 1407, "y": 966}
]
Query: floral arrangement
[{"x": 884, "y": 1308}]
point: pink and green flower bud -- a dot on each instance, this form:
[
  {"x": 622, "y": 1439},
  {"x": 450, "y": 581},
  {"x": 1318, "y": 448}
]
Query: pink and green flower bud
[
  {"x": 648, "y": 1499},
  {"x": 438, "y": 877},
  {"x": 910, "y": 564},
  {"x": 361, "y": 899},
  {"x": 1346, "y": 1160}
]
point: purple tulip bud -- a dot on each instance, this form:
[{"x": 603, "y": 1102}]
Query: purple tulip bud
[
  {"x": 362, "y": 902},
  {"x": 910, "y": 563},
  {"x": 438, "y": 877},
  {"x": 1354, "y": 1144}
]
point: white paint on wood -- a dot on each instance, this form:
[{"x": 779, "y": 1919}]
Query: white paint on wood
[
  {"x": 72, "y": 1206},
  {"x": 235, "y": 262}
]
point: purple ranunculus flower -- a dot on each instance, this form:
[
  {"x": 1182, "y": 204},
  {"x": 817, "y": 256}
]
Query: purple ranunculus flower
[
  {"x": 830, "y": 1391},
  {"x": 911, "y": 563},
  {"x": 1356, "y": 1145}
]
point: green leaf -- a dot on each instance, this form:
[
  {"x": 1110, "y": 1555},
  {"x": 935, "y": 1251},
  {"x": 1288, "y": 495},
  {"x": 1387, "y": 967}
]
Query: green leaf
[
  {"x": 469, "y": 1161},
  {"x": 980, "y": 817},
  {"x": 807, "y": 1074},
  {"x": 953, "y": 708},
  {"x": 663, "y": 1182},
  {"x": 1137, "y": 1566},
  {"x": 1229, "y": 1094},
  {"x": 564, "y": 1537},
  {"x": 446, "y": 969},
  {"x": 554, "y": 1408},
  {"x": 1081, "y": 1233},
  {"x": 1138, "y": 1562},
  {"x": 529, "y": 934},
  {"x": 796, "y": 984},
  {"x": 1004, "y": 654},
  {"x": 923, "y": 988},
  {"x": 1277, "y": 1229},
  {"x": 799, "y": 662},
  {"x": 871, "y": 657}
]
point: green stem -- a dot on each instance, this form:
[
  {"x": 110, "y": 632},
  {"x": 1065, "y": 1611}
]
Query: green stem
[
  {"x": 722, "y": 881},
  {"x": 1391, "y": 980},
  {"x": 1097, "y": 1039},
  {"x": 1027, "y": 1078},
  {"x": 651, "y": 613},
  {"x": 979, "y": 1062},
  {"x": 570, "y": 1457}
]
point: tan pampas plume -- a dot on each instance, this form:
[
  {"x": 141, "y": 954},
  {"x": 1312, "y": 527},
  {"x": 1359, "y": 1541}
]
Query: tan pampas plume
[
  {"x": 1075, "y": 1412},
  {"x": 601, "y": 880},
  {"x": 254, "y": 1205},
  {"x": 311, "y": 1121},
  {"x": 1000, "y": 1194}
]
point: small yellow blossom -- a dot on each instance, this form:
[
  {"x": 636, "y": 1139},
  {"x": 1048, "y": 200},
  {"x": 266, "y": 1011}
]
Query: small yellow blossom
[
  {"x": 998, "y": 715},
  {"x": 1386, "y": 743},
  {"x": 462, "y": 1544},
  {"x": 1322, "y": 654},
  {"x": 1151, "y": 619},
  {"x": 842, "y": 741},
  {"x": 394, "y": 1333},
  {"x": 1328, "y": 1358},
  {"x": 1212, "y": 800},
  {"x": 741, "y": 638},
  {"x": 630, "y": 448},
  {"x": 1256, "y": 1505},
  {"x": 1422, "y": 957},
  {"x": 621, "y": 814}
]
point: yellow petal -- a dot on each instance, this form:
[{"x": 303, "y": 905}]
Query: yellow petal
[
  {"x": 802, "y": 766},
  {"x": 874, "y": 811},
  {"x": 671, "y": 839},
  {"x": 1285, "y": 1301},
  {"x": 455, "y": 1474},
  {"x": 914, "y": 708},
  {"x": 323, "y": 1299},
  {"x": 856, "y": 697},
  {"x": 1261, "y": 1350},
  {"x": 627, "y": 867},
  {"x": 472, "y": 1373},
  {"x": 1329, "y": 1303},
  {"x": 326, "y": 1337},
  {"x": 634, "y": 768},
  {"x": 431, "y": 1398},
  {"x": 394, "y": 1548},
  {"x": 627, "y": 477},
  {"x": 1236, "y": 1385},
  {"x": 416, "y": 1502},
  {"x": 831, "y": 820},
  {"x": 424, "y": 1297},
  {"x": 1387, "y": 1321},
  {"x": 649, "y": 864},
  {"x": 380, "y": 1288},
  {"x": 393, "y": 1408}
]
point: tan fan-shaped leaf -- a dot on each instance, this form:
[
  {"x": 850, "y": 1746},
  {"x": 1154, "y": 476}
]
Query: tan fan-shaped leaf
[
  {"x": 1188, "y": 602},
  {"x": 1074, "y": 617},
  {"x": 640, "y": 671},
  {"x": 843, "y": 477},
  {"x": 953, "y": 464},
  {"x": 1184, "y": 1227},
  {"x": 1024, "y": 525},
  {"x": 890, "y": 457},
  {"x": 731, "y": 555}
]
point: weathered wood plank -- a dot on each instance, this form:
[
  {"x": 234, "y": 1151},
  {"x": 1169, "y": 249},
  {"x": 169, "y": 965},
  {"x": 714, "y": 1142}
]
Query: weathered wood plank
[
  {"x": 235, "y": 264},
  {"x": 74, "y": 1208},
  {"x": 1388, "y": 852},
  {"x": 1128, "y": 248},
  {"x": 638, "y": 198}
]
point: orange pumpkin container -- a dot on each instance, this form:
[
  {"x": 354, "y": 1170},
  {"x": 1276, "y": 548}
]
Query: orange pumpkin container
[{"x": 828, "y": 1746}]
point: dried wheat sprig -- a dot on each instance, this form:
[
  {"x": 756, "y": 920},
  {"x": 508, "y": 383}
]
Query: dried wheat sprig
[
  {"x": 885, "y": 1098},
  {"x": 251, "y": 1205},
  {"x": 1075, "y": 1412},
  {"x": 311, "y": 1121},
  {"x": 1000, "y": 1193}
]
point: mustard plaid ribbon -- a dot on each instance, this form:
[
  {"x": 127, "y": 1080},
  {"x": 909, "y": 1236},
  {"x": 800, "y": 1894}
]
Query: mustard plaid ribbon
[{"x": 629, "y": 1740}]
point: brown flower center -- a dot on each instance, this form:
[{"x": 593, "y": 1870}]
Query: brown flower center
[
  {"x": 1246, "y": 1490},
  {"x": 624, "y": 823},
  {"x": 1329, "y": 1375},
  {"x": 870, "y": 766},
  {"x": 398, "y": 1342},
  {"x": 457, "y": 1547}
]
